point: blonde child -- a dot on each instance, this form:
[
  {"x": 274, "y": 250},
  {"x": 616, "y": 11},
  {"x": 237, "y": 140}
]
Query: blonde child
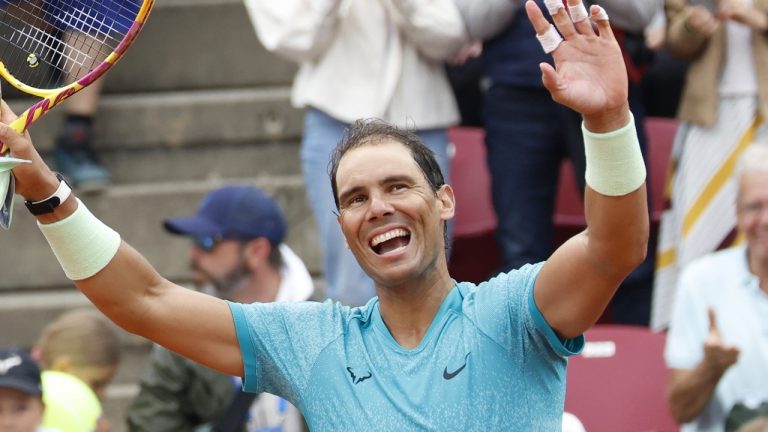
[{"x": 79, "y": 354}]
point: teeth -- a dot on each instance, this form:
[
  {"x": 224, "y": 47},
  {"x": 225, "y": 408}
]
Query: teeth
[{"x": 389, "y": 235}]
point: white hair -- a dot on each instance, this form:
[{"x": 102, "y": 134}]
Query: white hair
[{"x": 754, "y": 158}]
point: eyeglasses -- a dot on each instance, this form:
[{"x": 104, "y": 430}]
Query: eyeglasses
[
  {"x": 753, "y": 208},
  {"x": 206, "y": 243}
]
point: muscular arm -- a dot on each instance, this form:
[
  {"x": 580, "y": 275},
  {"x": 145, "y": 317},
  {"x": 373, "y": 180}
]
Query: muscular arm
[
  {"x": 129, "y": 290},
  {"x": 578, "y": 281}
]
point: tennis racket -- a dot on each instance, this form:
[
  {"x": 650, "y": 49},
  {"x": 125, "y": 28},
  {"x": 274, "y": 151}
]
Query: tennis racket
[{"x": 54, "y": 48}]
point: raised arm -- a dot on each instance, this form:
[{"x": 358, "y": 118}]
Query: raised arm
[
  {"x": 576, "y": 283},
  {"x": 116, "y": 278}
]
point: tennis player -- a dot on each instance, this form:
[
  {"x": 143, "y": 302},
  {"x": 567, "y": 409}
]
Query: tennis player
[{"x": 428, "y": 353}]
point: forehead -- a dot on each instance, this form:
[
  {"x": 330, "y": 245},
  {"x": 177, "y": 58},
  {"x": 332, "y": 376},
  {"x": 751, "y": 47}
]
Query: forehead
[
  {"x": 754, "y": 183},
  {"x": 381, "y": 158}
]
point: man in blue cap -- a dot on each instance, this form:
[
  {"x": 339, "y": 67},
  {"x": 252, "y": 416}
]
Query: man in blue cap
[{"x": 237, "y": 254}]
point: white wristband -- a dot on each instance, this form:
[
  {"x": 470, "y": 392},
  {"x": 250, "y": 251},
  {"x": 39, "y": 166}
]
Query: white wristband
[
  {"x": 82, "y": 243},
  {"x": 614, "y": 162}
]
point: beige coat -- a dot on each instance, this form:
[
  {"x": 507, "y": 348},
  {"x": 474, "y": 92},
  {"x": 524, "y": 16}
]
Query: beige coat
[{"x": 698, "y": 104}]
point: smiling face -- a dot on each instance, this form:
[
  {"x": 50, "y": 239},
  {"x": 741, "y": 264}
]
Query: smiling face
[
  {"x": 391, "y": 218},
  {"x": 752, "y": 211}
]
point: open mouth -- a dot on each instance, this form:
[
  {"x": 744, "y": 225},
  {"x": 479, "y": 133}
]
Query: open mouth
[{"x": 390, "y": 241}]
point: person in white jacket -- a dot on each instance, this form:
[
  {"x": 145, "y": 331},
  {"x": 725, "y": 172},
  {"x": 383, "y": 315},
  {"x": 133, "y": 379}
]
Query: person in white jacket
[{"x": 361, "y": 59}]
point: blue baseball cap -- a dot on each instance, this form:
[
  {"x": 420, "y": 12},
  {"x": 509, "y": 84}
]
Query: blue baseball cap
[
  {"x": 19, "y": 371},
  {"x": 240, "y": 213}
]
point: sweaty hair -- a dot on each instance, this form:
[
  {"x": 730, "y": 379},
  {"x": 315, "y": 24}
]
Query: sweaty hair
[
  {"x": 374, "y": 131},
  {"x": 84, "y": 336}
]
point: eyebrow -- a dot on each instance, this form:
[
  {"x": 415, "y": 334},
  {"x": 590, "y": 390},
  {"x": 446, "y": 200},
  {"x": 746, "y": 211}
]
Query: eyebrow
[{"x": 387, "y": 180}]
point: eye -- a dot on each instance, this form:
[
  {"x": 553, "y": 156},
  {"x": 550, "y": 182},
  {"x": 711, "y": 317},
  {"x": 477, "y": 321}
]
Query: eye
[
  {"x": 398, "y": 187},
  {"x": 354, "y": 201}
]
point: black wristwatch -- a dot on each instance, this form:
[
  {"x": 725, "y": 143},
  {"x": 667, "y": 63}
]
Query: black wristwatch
[{"x": 49, "y": 204}]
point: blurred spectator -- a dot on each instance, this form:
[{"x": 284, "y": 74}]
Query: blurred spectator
[
  {"x": 79, "y": 354},
  {"x": 722, "y": 111},
  {"x": 528, "y": 134},
  {"x": 663, "y": 80},
  {"x": 21, "y": 393},
  {"x": 717, "y": 345},
  {"x": 73, "y": 149},
  {"x": 361, "y": 59},
  {"x": 238, "y": 253}
]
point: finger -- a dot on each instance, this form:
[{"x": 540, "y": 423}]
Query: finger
[
  {"x": 580, "y": 17},
  {"x": 712, "y": 320},
  {"x": 546, "y": 33},
  {"x": 561, "y": 18},
  {"x": 600, "y": 17},
  {"x": 7, "y": 115},
  {"x": 551, "y": 80}
]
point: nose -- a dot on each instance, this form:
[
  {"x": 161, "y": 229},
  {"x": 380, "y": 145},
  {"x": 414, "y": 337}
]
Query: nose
[{"x": 379, "y": 207}]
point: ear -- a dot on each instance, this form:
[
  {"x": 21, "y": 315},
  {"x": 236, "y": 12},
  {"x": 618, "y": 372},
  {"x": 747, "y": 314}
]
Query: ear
[
  {"x": 61, "y": 364},
  {"x": 257, "y": 251},
  {"x": 447, "y": 201}
]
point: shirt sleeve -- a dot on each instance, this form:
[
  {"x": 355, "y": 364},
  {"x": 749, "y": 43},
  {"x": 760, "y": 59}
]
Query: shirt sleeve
[
  {"x": 510, "y": 295},
  {"x": 280, "y": 342}
]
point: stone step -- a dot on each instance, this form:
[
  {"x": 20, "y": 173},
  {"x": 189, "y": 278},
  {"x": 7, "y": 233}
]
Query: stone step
[
  {"x": 137, "y": 212},
  {"x": 195, "y": 44},
  {"x": 176, "y": 119}
]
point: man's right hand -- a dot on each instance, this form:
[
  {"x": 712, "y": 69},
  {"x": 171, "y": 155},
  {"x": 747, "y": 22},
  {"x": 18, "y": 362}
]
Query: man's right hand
[
  {"x": 34, "y": 181},
  {"x": 718, "y": 356}
]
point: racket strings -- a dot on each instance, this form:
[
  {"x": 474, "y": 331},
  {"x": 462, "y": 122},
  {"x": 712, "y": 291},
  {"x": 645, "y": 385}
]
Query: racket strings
[{"x": 47, "y": 44}]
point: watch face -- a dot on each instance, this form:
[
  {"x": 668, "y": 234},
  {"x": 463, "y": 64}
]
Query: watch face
[{"x": 7, "y": 185}]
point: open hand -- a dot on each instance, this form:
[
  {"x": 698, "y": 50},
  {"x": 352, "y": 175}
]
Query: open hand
[{"x": 589, "y": 75}]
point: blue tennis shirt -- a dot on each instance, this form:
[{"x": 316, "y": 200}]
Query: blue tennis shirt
[{"x": 489, "y": 361}]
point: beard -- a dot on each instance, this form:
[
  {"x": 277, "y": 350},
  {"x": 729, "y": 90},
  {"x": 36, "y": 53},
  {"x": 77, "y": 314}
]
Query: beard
[{"x": 222, "y": 287}]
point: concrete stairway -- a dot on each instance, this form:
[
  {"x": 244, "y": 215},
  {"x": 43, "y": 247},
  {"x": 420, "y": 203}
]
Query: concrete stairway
[{"x": 196, "y": 103}]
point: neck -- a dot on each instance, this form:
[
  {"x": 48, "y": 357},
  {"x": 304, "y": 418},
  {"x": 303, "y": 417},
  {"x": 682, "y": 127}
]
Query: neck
[
  {"x": 261, "y": 287},
  {"x": 409, "y": 308}
]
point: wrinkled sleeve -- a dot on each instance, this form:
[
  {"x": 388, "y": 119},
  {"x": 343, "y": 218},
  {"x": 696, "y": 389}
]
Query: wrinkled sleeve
[
  {"x": 177, "y": 394},
  {"x": 680, "y": 41},
  {"x": 486, "y": 18},
  {"x": 514, "y": 320},
  {"x": 280, "y": 343},
  {"x": 435, "y": 27},
  {"x": 299, "y": 30}
]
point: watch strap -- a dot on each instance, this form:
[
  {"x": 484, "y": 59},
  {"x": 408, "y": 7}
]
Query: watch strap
[{"x": 49, "y": 204}]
